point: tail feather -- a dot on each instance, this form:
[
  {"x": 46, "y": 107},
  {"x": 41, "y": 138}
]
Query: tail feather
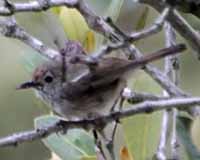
[
  {"x": 160, "y": 54},
  {"x": 155, "y": 56}
]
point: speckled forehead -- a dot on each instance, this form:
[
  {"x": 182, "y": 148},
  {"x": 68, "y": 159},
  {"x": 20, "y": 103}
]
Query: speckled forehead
[
  {"x": 39, "y": 73},
  {"x": 41, "y": 70}
]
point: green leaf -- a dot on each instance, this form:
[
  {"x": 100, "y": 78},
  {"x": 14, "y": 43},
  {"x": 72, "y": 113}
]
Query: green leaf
[
  {"x": 142, "y": 135},
  {"x": 45, "y": 27},
  {"x": 75, "y": 26},
  {"x": 105, "y": 8},
  {"x": 142, "y": 21},
  {"x": 142, "y": 132},
  {"x": 183, "y": 130},
  {"x": 114, "y": 9},
  {"x": 73, "y": 23},
  {"x": 74, "y": 145},
  {"x": 195, "y": 23},
  {"x": 192, "y": 20}
]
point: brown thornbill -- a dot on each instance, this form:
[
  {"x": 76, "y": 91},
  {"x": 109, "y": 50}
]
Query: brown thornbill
[{"x": 77, "y": 90}]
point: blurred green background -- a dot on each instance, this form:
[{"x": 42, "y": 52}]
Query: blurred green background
[{"x": 19, "y": 108}]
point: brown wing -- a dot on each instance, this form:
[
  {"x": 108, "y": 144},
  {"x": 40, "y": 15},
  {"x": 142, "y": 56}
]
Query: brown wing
[
  {"x": 108, "y": 70},
  {"x": 101, "y": 77}
]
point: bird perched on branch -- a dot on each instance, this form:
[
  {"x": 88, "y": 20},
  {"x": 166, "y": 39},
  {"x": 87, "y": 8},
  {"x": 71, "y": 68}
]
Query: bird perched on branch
[{"x": 76, "y": 89}]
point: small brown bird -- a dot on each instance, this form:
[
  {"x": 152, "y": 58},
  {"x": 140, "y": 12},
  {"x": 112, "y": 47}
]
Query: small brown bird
[{"x": 77, "y": 90}]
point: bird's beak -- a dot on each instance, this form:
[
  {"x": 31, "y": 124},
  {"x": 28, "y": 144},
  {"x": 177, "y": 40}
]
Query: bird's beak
[{"x": 29, "y": 84}]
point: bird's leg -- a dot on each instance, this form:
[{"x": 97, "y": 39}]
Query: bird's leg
[
  {"x": 62, "y": 123},
  {"x": 121, "y": 102},
  {"x": 117, "y": 121},
  {"x": 98, "y": 145},
  {"x": 109, "y": 142}
]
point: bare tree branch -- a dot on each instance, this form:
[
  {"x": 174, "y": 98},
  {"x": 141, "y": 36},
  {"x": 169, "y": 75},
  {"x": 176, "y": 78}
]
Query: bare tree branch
[
  {"x": 135, "y": 97},
  {"x": 172, "y": 69},
  {"x": 94, "y": 22},
  {"x": 179, "y": 23},
  {"x": 98, "y": 24},
  {"x": 9, "y": 28},
  {"x": 155, "y": 28},
  {"x": 169, "y": 116},
  {"x": 145, "y": 107}
]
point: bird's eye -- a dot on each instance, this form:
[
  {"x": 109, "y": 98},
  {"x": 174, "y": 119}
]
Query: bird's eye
[{"x": 48, "y": 78}]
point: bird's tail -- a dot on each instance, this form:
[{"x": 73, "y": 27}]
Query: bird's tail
[
  {"x": 140, "y": 62},
  {"x": 160, "y": 54}
]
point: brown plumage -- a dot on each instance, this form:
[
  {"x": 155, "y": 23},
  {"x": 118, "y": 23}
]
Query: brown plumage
[{"x": 85, "y": 91}]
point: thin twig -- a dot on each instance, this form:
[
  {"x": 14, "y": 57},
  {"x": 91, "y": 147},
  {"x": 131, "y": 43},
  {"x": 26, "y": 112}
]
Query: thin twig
[
  {"x": 172, "y": 67},
  {"x": 161, "y": 151},
  {"x": 135, "y": 97},
  {"x": 9, "y": 28},
  {"x": 175, "y": 66},
  {"x": 155, "y": 28},
  {"x": 166, "y": 119},
  {"x": 98, "y": 24},
  {"x": 178, "y": 23}
]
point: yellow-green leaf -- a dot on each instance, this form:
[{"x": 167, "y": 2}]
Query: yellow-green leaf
[
  {"x": 142, "y": 132},
  {"x": 74, "y": 145},
  {"x": 89, "y": 41},
  {"x": 74, "y": 24}
]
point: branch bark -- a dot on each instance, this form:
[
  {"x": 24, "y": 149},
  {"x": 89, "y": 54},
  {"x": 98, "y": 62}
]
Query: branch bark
[
  {"x": 179, "y": 23},
  {"x": 145, "y": 107}
]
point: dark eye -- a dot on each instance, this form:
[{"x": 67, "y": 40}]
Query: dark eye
[{"x": 48, "y": 79}]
